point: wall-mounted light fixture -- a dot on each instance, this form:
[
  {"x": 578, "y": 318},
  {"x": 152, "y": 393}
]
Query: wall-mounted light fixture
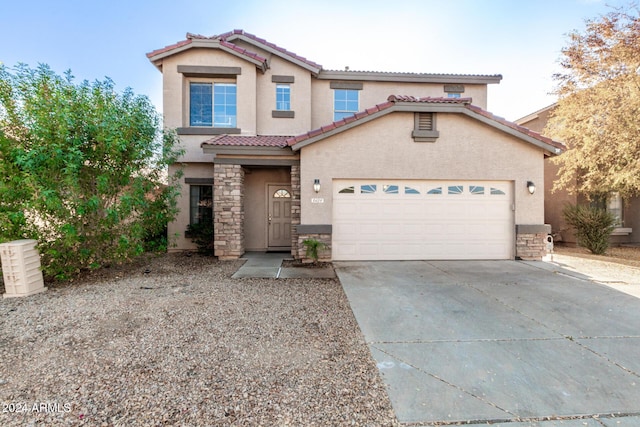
[
  {"x": 316, "y": 185},
  {"x": 531, "y": 187}
]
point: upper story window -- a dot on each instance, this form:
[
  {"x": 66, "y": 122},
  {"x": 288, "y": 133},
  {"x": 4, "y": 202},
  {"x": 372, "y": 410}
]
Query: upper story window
[
  {"x": 212, "y": 104},
  {"x": 453, "y": 95},
  {"x": 345, "y": 103},
  {"x": 283, "y": 97}
]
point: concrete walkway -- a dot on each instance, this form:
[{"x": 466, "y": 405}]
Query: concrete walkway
[
  {"x": 268, "y": 265},
  {"x": 620, "y": 277},
  {"x": 509, "y": 343}
]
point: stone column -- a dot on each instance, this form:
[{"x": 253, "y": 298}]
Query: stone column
[
  {"x": 228, "y": 211},
  {"x": 295, "y": 209},
  {"x": 531, "y": 241}
]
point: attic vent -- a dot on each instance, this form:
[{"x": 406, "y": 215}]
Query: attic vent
[
  {"x": 425, "y": 128},
  {"x": 425, "y": 121}
]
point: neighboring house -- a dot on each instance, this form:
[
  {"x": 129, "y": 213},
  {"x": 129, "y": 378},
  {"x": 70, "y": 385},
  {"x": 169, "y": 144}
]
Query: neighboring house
[
  {"x": 627, "y": 212},
  {"x": 376, "y": 165}
]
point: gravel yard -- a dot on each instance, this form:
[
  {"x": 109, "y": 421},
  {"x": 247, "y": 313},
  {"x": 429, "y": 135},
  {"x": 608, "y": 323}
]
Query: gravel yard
[{"x": 173, "y": 340}]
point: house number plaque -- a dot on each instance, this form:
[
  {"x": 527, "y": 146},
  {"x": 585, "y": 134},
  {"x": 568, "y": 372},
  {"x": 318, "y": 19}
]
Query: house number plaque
[{"x": 317, "y": 200}]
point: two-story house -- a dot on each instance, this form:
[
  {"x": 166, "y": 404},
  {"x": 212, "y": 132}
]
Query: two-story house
[{"x": 376, "y": 165}]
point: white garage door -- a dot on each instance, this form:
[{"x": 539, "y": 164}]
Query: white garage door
[{"x": 412, "y": 220}]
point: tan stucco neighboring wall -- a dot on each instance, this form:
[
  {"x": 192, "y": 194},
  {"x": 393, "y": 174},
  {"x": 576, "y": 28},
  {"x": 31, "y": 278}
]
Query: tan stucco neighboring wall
[
  {"x": 384, "y": 149},
  {"x": 374, "y": 93},
  {"x": 554, "y": 203},
  {"x": 300, "y": 100},
  {"x": 255, "y": 204},
  {"x": 176, "y": 93},
  {"x": 176, "y": 228}
]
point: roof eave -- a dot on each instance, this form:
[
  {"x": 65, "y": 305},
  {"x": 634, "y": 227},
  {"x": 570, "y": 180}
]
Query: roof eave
[
  {"x": 534, "y": 115},
  {"x": 207, "y": 44},
  {"x": 296, "y": 61},
  {"x": 408, "y": 77},
  {"x": 549, "y": 149},
  {"x": 351, "y": 125}
]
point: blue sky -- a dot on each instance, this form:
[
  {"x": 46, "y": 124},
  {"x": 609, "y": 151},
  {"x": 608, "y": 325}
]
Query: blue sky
[{"x": 520, "y": 39}]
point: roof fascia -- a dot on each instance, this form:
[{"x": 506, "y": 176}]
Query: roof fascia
[
  {"x": 256, "y": 162},
  {"x": 534, "y": 115},
  {"x": 296, "y": 61},
  {"x": 407, "y": 77},
  {"x": 207, "y": 44},
  {"x": 343, "y": 128},
  {"x": 413, "y": 107},
  {"x": 550, "y": 149},
  {"x": 155, "y": 59}
]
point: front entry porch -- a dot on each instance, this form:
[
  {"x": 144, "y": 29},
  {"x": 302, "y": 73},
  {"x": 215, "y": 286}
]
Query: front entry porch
[{"x": 255, "y": 208}]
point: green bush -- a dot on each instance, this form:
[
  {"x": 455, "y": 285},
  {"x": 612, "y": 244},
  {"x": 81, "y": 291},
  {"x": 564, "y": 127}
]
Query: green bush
[
  {"x": 83, "y": 170},
  {"x": 202, "y": 235},
  {"x": 312, "y": 247},
  {"x": 592, "y": 225}
]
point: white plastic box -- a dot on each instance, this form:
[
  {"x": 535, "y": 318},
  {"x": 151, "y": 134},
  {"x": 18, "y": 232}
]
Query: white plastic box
[{"x": 21, "y": 268}]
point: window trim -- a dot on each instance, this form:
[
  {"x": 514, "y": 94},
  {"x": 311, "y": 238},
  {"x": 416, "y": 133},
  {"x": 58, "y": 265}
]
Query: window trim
[
  {"x": 206, "y": 130},
  {"x": 286, "y": 94}
]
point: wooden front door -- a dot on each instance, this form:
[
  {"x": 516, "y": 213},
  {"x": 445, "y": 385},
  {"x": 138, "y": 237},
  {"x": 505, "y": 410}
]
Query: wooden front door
[{"x": 279, "y": 220}]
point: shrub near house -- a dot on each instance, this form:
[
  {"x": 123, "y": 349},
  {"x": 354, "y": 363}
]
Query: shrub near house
[{"x": 79, "y": 161}]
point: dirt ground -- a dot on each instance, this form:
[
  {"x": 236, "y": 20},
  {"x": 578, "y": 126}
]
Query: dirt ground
[{"x": 621, "y": 254}]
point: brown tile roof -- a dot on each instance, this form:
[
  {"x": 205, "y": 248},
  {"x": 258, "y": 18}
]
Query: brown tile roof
[
  {"x": 168, "y": 48},
  {"x": 262, "y": 41},
  {"x": 225, "y": 41},
  {"x": 248, "y": 141},
  {"x": 393, "y": 99}
]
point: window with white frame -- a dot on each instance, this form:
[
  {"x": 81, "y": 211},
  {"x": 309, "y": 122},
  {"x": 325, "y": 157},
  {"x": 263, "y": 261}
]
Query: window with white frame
[
  {"x": 345, "y": 103},
  {"x": 283, "y": 97},
  {"x": 212, "y": 104}
]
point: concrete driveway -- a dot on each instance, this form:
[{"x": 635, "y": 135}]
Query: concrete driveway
[{"x": 505, "y": 342}]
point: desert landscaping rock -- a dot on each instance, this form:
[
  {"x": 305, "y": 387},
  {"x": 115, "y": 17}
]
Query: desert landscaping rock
[{"x": 173, "y": 340}]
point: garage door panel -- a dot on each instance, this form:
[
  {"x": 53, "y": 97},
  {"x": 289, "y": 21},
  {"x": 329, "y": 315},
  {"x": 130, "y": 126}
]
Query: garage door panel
[{"x": 466, "y": 220}]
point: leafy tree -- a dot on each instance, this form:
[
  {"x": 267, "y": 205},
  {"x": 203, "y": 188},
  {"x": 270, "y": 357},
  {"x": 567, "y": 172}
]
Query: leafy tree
[
  {"x": 82, "y": 169},
  {"x": 598, "y": 112}
]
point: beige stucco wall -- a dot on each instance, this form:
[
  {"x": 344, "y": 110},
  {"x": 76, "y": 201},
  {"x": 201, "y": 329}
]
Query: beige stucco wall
[
  {"x": 255, "y": 204},
  {"x": 176, "y": 228},
  {"x": 374, "y": 93},
  {"x": 384, "y": 149},
  {"x": 300, "y": 100}
]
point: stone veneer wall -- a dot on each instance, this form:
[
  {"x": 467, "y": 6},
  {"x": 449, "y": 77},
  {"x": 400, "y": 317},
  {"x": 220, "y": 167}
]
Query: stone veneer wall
[
  {"x": 295, "y": 209},
  {"x": 531, "y": 241},
  {"x": 228, "y": 211},
  {"x": 324, "y": 255}
]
